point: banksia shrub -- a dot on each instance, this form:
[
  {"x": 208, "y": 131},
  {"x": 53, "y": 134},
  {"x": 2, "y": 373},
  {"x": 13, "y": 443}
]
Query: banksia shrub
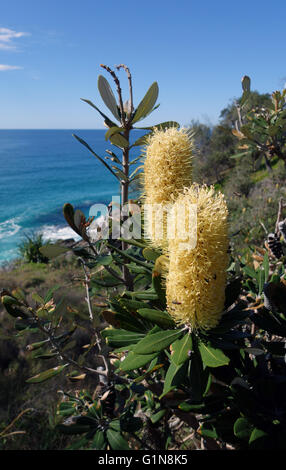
[
  {"x": 167, "y": 170},
  {"x": 196, "y": 281}
]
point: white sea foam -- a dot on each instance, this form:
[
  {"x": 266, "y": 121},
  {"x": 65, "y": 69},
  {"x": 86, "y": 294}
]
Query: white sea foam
[
  {"x": 53, "y": 233},
  {"x": 9, "y": 227}
]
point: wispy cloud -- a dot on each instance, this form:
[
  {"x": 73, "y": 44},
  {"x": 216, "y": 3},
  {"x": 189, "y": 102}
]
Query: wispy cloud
[
  {"x": 7, "y": 37},
  {"x": 4, "y": 68}
]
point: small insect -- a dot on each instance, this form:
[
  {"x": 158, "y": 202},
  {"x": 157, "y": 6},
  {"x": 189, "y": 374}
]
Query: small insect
[
  {"x": 275, "y": 245},
  {"x": 176, "y": 302}
]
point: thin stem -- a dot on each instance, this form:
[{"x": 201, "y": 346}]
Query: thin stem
[
  {"x": 239, "y": 115},
  {"x": 64, "y": 356},
  {"x": 129, "y": 77},
  {"x": 86, "y": 283},
  {"x": 2, "y": 434},
  {"x": 279, "y": 214},
  {"x": 119, "y": 92},
  {"x": 97, "y": 338},
  {"x": 263, "y": 226}
]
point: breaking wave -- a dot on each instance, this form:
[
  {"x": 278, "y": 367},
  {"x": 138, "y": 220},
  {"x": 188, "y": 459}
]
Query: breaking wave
[{"x": 9, "y": 227}]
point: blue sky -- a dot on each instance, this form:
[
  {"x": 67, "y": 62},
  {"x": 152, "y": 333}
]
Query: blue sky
[{"x": 197, "y": 51}]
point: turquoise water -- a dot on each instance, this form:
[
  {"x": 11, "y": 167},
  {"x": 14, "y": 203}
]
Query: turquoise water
[{"x": 41, "y": 170}]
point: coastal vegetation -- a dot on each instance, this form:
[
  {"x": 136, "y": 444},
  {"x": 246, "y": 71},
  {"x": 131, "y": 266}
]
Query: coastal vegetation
[{"x": 134, "y": 343}]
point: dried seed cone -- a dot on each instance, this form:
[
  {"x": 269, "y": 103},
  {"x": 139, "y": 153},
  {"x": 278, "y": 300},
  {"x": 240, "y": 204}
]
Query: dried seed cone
[
  {"x": 196, "y": 281},
  {"x": 167, "y": 170}
]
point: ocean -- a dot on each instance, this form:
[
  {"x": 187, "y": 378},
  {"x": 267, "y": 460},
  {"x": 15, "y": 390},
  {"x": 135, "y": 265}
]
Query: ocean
[{"x": 41, "y": 170}]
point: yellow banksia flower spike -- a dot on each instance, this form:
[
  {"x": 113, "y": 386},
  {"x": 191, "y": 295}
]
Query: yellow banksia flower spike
[
  {"x": 196, "y": 280},
  {"x": 167, "y": 170}
]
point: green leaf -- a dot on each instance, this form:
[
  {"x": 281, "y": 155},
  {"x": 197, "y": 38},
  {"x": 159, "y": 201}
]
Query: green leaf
[
  {"x": 115, "y": 424},
  {"x": 199, "y": 377},
  {"x": 242, "y": 428},
  {"x": 140, "y": 141},
  {"x": 212, "y": 357},
  {"x": 261, "y": 281},
  {"x": 147, "y": 295},
  {"x": 46, "y": 356},
  {"x": 38, "y": 299},
  {"x": 136, "y": 177},
  {"x": 119, "y": 140},
  {"x": 135, "y": 361},
  {"x": 174, "y": 377},
  {"x": 53, "y": 250},
  {"x": 249, "y": 271},
  {"x": 150, "y": 254},
  {"x": 132, "y": 305},
  {"x": 48, "y": 374},
  {"x": 137, "y": 269},
  {"x": 257, "y": 434},
  {"x": 73, "y": 429},
  {"x": 110, "y": 132},
  {"x": 153, "y": 367},
  {"x": 157, "y": 341},
  {"x": 158, "y": 283},
  {"x": 38, "y": 345},
  {"x": 68, "y": 211},
  {"x": 135, "y": 160},
  {"x": 108, "y": 96},
  {"x": 147, "y": 104},
  {"x": 117, "y": 338},
  {"x": 208, "y": 430},
  {"x": 113, "y": 157},
  {"x": 108, "y": 122},
  {"x": 116, "y": 441},
  {"x": 104, "y": 260},
  {"x": 131, "y": 241},
  {"x": 161, "y": 126},
  {"x": 254, "y": 351},
  {"x": 95, "y": 155},
  {"x": 119, "y": 173},
  {"x": 123, "y": 320},
  {"x": 190, "y": 407},
  {"x": 135, "y": 172},
  {"x": 107, "y": 282},
  {"x": 129, "y": 257},
  {"x": 181, "y": 348},
  {"x": 98, "y": 442},
  {"x": 155, "y": 418},
  {"x": 245, "y": 83},
  {"x": 9, "y": 300},
  {"x": 13, "y": 307},
  {"x": 238, "y": 155},
  {"x": 158, "y": 317},
  {"x": 266, "y": 266}
]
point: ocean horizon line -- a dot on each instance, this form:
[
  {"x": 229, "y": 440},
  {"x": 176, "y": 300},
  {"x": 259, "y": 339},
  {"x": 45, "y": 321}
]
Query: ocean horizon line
[
  {"x": 58, "y": 129},
  {"x": 53, "y": 129}
]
